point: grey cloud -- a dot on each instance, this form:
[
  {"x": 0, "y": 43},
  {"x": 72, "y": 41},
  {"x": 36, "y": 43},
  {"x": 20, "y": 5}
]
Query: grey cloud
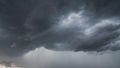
[
  {"x": 62, "y": 59},
  {"x": 26, "y": 25}
]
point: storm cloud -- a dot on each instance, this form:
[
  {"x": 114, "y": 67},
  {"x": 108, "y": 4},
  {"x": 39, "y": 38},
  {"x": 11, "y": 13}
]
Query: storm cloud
[{"x": 75, "y": 25}]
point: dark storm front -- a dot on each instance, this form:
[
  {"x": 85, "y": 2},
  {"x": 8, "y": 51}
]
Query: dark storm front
[{"x": 58, "y": 25}]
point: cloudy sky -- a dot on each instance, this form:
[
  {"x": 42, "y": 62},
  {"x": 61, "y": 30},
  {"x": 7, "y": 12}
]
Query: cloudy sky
[{"x": 60, "y": 33}]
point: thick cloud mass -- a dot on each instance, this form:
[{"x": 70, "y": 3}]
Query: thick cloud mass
[
  {"x": 77, "y": 25},
  {"x": 44, "y": 58}
]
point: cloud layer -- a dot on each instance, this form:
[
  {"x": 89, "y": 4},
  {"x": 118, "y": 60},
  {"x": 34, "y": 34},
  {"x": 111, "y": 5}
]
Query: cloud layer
[
  {"x": 44, "y": 58},
  {"x": 77, "y": 25}
]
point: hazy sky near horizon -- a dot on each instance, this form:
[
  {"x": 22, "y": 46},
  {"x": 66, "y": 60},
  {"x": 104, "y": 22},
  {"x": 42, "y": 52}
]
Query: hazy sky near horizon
[{"x": 44, "y": 58}]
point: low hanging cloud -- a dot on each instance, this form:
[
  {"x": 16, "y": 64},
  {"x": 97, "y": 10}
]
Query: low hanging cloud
[
  {"x": 44, "y": 58},
  {"x": 75, "y": 25}
]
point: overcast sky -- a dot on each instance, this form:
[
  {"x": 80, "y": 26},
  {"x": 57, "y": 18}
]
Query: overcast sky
[
  {"x": 61, "y": 33},
  {"x": 44, "y": 58}
]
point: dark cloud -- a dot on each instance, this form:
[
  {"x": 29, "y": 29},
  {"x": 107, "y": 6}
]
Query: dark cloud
[{"x": 28, "y": 24}]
